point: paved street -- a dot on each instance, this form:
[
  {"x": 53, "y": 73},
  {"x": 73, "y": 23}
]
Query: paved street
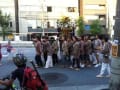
[{"x": 59, "y": 77}]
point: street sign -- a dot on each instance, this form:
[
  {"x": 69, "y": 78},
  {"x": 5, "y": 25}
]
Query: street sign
[{"x": 87, "y": 27}]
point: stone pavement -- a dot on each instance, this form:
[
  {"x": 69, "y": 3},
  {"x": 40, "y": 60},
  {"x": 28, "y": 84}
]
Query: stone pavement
[{"x": 59, "y": 78}]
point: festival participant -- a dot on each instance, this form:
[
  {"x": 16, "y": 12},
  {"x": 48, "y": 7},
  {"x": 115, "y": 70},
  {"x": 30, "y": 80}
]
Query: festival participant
[
  {"x": 97, "y": 47},
  {"x": 38, "y": 48},
  {"x": 49, "y": 51},
  {"x": 76, "y": 53},
  {"x": 65, "y": 51},
  {"x": 55, "y": 51},
  {"x": 106, "y": 59}
]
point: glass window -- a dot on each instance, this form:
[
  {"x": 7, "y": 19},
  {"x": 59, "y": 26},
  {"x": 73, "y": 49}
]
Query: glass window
[
  {"x": 102, "y": 5},
  {"x": 49, "y": 9},
  {"x": 71, "y": 9}
]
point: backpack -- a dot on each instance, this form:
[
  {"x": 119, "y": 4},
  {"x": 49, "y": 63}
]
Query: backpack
[{"x": 32, "y": 81}]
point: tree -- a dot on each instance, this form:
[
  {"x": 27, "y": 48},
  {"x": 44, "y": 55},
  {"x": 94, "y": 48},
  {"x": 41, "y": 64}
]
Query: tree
[
  {"x": 4, "y": 24},
  {"x": 80, "y": 24},
  {"x": 96, "y": 27}
]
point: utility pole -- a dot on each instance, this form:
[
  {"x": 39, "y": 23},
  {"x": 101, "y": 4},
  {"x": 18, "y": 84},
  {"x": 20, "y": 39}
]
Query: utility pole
[
  {"x": 80, "y": 7},
  {"x": 16, "y": 15},
  {"x": 107, "y": 18},
  {"x": 117, "y": 26},
  {"x": 43, "y": 17},
  {"x": 114, "y": 83},
  {"x": 117, "y": 22}
]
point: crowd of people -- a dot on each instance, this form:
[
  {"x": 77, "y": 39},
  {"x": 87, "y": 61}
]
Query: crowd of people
[
  {"x": 76, "y": 52},
  {"x": 72, "y": 52}
]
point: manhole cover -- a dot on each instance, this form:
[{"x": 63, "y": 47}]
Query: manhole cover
[{"x": 54, "y": 78}]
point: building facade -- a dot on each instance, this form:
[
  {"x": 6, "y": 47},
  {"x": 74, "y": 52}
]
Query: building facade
[
  {"x": 40, "y": 13},
  {"x": 45, "y": 13},
  {"x": 111, "y": 12},
  {"x": 93, "y": 9}
]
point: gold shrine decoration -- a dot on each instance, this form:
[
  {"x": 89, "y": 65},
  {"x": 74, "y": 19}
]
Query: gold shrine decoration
[
  {"x": 66, "y": 31},
  {"x": 10, "y": 37},
  {"x": 114, "y": 50}
]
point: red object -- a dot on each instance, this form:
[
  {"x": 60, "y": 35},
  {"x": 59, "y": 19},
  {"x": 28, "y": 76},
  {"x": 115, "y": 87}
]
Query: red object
[
  {"x": 0, "y": 53},
  {"x": 32, "y": 81}
]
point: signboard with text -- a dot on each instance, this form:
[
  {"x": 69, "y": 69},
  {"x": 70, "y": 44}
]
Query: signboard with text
[{"x": 114, "y": 50}]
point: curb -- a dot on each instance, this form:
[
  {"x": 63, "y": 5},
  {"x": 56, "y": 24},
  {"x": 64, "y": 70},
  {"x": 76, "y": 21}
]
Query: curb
[{"x": 85, "y": 87}]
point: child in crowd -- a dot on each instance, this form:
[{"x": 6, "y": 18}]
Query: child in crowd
[{"x": 9, "y": 48}]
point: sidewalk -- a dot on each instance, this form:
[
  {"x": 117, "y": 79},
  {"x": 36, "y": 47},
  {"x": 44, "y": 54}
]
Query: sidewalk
[{"x": 19, "y": 43}]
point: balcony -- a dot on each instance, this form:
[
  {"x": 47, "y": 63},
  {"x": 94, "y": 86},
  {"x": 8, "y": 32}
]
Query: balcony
[
  {"x": 94, "y": 12},
  {"x": 94, "y": 1},
  {"x": 102, "y": 22}
]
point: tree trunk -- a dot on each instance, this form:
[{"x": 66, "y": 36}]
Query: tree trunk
[
  {"x": 3, "y": 37},
  {"x": 3, "y": 33}
]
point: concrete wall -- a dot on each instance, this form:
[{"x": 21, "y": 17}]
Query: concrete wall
[
  {"x": 111, "y": 12},
  {"x": 94, "y": 2},
  {"x": 92, "y": 9}
]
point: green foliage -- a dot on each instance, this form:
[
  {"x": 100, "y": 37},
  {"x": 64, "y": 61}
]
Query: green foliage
[
  {"x": 96, "y": 27},
  {"x": 4, "y": 24},
  {"x": 80, "y": 24}
]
